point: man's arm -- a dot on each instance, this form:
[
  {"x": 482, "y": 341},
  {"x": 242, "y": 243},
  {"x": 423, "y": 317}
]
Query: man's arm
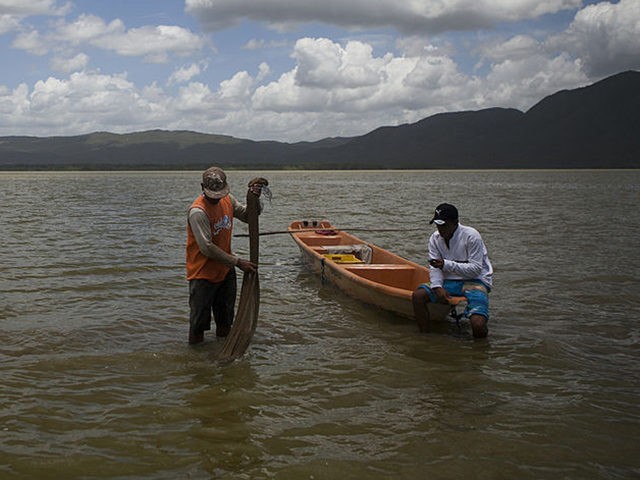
[
  {"x": 240, "y": 211},
  {"x": 436, "y": 278},
  {"x": 472, "y": 268},
  {"x": 199, "y": 223}
]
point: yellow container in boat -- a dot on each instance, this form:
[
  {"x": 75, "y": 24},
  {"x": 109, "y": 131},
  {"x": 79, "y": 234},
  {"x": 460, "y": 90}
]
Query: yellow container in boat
[{"x": 343, "y": 258}]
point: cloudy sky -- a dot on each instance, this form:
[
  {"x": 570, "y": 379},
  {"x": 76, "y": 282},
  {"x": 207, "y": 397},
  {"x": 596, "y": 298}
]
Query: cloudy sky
[{"x": 293, "y": 70}]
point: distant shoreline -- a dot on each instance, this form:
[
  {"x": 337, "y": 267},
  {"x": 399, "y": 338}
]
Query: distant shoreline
[{"x": 298, "y": 170}]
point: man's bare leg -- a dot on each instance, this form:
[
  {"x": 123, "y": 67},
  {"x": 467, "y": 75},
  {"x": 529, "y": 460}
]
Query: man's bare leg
[
  {"x": 479, "y": 326},
  {"x": 420, "y": 300}
]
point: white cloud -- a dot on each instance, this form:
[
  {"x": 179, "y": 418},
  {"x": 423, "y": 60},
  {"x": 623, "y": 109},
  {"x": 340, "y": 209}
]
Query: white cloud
[
  {"x": 239, "y": 87},
  {"x": 330, "y": 78},
  {"x": 22, "y": 8},
  {"x": 524, "y": 81},
  {"x": 87, "y": 28},
  {"x": 256, "y": 44},
  {"x": 8, "y": 23},
  {"x": 195, "y": 97},
  {"x": 154, "y": 43},
  {"x": 516, "y": 47},
  {"x": 184, "y": 74},
  {"x": 31, "y": 42},
  {"x": 326, "y": 64},
  {"x": 263, "y": 71},
  {"x": 415, "y": 46},
  {"x": 606, "y": 36},
  {"x": 285, "y": 95},
  {"x": 13, "y": 103},
  {"x": 406, "y": 16},
  {"x": 67, "y": 65},
  {"x": 12, "y": 12},
  {"x": 83, "y": 102}
]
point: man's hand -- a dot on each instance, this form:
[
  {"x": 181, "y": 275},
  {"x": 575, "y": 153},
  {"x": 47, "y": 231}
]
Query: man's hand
[
  {"x": 442, "y": 295},
  {"x": 255, "y": 185},
  {"x": 246, "y": 266},
  {"x": 436, "y": 263}
]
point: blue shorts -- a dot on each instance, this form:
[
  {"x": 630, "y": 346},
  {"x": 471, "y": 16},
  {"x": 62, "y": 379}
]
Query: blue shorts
[{"x": 476, "y": 293}]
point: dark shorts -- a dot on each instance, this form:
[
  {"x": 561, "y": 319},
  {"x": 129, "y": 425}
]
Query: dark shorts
[
  {"x": 476, "y": 293},
  {"x": 206, "y": 297}
]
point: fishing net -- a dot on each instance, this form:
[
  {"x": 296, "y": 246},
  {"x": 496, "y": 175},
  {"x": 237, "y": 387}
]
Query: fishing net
[{"x": 246, "y": 319}]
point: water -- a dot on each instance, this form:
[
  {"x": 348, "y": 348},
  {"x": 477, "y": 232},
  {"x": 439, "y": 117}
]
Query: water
[{"x": 98, "y": 380}]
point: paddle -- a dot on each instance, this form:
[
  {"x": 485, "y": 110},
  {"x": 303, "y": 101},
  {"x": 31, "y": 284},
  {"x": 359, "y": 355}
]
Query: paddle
[{"x": 246, "y": 319}]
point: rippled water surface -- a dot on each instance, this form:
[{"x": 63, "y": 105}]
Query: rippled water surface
[{"x": 98, "y": 380}]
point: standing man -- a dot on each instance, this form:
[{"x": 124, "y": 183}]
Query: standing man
[
  {"x": 210, "y": 262},
  {"x": 459, "y": 266}
]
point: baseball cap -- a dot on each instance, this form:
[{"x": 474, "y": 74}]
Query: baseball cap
[
  {"x": 444, "y": 212},
  {"x": 214, "y": 183}
]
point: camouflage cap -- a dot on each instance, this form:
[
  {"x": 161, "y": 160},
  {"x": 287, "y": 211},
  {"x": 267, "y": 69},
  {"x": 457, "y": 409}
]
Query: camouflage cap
[{"x": 214, "y": 183}]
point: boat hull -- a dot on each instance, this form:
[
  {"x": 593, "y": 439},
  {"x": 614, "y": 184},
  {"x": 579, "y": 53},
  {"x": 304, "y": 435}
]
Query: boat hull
[{"x": 385, "y": 280}]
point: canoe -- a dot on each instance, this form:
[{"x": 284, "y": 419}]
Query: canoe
[{"x": 362, "y": 270}]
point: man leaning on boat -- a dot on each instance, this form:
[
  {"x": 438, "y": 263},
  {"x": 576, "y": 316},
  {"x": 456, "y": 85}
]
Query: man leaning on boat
[{"x": 458, "y": 266}]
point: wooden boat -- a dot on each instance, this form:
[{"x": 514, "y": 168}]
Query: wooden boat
[{"x": 362, "y": 270}]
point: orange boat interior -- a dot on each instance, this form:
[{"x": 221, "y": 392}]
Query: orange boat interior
[
  {"x": 405, "y": 277},
  {"x": 379, "y": 266}
]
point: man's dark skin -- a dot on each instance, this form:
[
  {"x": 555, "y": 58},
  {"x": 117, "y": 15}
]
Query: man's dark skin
[{"x": 420, "y": 298}]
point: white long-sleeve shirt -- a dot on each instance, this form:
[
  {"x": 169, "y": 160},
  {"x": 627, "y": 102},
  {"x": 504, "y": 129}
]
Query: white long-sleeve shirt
[{"x": 464, "y": 259}]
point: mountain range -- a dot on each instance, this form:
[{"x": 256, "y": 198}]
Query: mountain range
[{"x": 597, "y": 126}]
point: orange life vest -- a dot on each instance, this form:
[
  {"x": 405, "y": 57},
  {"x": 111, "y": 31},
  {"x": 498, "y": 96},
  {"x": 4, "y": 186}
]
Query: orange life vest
[{"x": 220, "y": 219}]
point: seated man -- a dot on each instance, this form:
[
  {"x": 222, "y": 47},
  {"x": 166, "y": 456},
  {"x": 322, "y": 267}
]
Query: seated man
[{"x": 459, "y": 266}]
